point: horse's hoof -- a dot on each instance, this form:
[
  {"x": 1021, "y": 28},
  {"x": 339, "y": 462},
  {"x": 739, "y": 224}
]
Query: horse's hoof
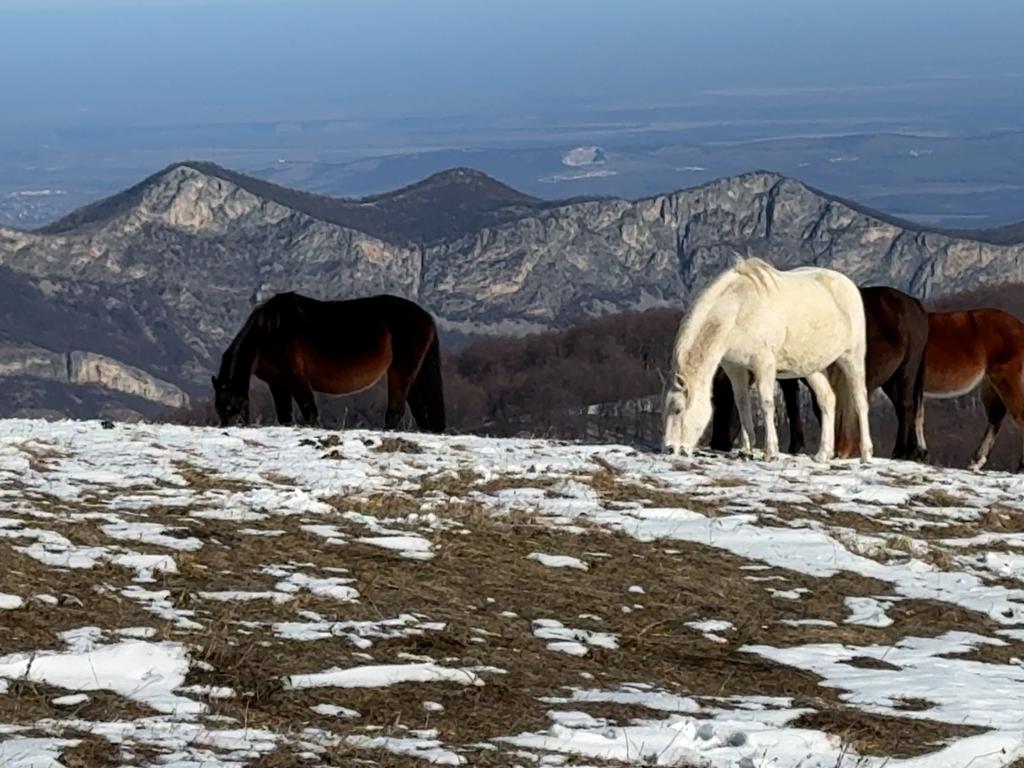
[{"x": 823, "y": 458}]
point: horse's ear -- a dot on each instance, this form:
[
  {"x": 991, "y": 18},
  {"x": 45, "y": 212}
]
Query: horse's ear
[
  {"x": 213, "y": 380},
  {"x": 661, "y": 377}
]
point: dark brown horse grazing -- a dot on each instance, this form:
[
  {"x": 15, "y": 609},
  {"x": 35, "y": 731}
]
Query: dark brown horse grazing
[
  {"x": 897, "y": 336},
  {"x": 979, "y": 349},
  {"x": 300, "y": 346}
]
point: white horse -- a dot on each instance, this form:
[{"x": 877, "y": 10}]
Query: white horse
[{"x": 756, "y": 320}]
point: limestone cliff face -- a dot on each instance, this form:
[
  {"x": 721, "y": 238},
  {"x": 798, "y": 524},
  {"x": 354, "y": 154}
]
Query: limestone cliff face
[
  {"x": 159, "y": 278},
  {"x": 604, "y": 256},
  {"x": 89, "y": 368}
]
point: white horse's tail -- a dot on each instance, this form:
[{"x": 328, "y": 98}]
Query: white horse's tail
[
  {"x": 847, "y": 425},
  {"x": 760, "y": 272}
]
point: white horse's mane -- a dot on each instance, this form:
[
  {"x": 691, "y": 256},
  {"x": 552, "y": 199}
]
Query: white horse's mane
[{"x": 762, "y": 275}]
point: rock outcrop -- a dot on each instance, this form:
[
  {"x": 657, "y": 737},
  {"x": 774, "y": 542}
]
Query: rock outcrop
[{"x": 89, "y": 369}]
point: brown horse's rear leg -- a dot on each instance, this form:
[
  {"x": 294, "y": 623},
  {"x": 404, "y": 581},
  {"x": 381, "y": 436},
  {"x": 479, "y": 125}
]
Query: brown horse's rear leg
[
  {"x": 791, "y": 397},
  {"x": 901, "y": 390},
  {"x": 398, "y": 391},
  {"x": 282, "y": 402},
  {"x": 995, "y": 412},
  {"x": 725, "y": 419}
]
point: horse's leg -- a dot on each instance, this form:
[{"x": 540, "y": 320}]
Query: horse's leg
[
  {"x": 304, "y": 396},
  {"x": 739, "y": 377},
  {"x": 917, "y": 449},
  {"x": 764, "y": 378},
  {"x": 847, "y": 431},
  {"x": 724, "y": 416},
  {"x": 398, "y": 389},
  {"x": 826, "y": 399},
  {"x": 282, "y": 402},
  {"x": 922, "y": 443},
  {"x": 995, "y": 413},
  {"x": 901, "y": 393},
  {"x": 791, "y": 396},
  {"x": 851, "y": 369}
]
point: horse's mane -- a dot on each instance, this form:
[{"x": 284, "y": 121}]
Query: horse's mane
[
  {"x": 236, "y": 363},
  {"x": 762, "y": 275}
]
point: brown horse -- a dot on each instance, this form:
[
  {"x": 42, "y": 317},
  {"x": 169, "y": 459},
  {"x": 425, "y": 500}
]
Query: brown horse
[
  {"x": 300, "y": 346},
  {"x": 979, "y": 349},
  {"x": 897, "y": 336}
]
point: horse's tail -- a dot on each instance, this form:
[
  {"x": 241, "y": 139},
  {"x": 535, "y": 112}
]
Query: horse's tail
[
  {"x": 847, "y": 425},
  {"x": 426, "y": 394}
]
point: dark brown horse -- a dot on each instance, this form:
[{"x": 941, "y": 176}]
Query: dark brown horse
[
  {"x": 300, "y": 346},
  {"x": 897, "y": 336}
]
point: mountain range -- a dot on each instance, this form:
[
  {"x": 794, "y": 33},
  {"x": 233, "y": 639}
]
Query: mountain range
[{"x": 127, "y": 303}]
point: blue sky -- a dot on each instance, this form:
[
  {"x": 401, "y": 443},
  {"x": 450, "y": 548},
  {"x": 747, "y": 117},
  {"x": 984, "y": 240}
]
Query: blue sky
[{"x": 162, "y": 63}]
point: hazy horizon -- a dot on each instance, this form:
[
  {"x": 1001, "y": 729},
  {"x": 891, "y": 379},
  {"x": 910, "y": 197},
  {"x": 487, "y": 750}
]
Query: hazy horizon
[
  {"x": 352, "y": 98},
  {"x": 110, "y": 62}
]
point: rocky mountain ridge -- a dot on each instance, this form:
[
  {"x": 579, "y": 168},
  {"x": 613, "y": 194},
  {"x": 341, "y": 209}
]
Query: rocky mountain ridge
[{"x": 158, "y": 279}]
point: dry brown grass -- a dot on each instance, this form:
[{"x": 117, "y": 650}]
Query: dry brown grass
[
  {"x": 938, "y": 497},
  {"x": 479, "y": 576},
  {"x": 884, "y": 736},
  {"x": 473, "y": 579},
  {"x": 613, "y": 488},
  {"x": 42, "y": 455},
  {"x": 390, "y": 444},
  {"x": 92, "y": 752},
  {"x": 27, "y": 701},
  {"x": 205, "y": 479}
]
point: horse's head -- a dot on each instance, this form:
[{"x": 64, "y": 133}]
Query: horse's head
[
  {"x": 232, "y": 406},
  {"x": 686, "y": 415}
]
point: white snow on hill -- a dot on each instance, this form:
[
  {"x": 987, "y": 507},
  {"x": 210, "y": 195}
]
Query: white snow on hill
[{"x": 179, "y": 596}]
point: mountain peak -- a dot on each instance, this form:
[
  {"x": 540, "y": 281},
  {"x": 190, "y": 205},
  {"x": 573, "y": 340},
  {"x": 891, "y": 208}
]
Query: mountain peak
[
  {"x": 102, "y": 211},
  {"x": 470, "y": 200},
  {"x": 460, "y": 181}
]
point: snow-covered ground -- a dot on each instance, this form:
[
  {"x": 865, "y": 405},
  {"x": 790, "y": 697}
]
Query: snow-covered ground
[{"x": 185, "y": 597}]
